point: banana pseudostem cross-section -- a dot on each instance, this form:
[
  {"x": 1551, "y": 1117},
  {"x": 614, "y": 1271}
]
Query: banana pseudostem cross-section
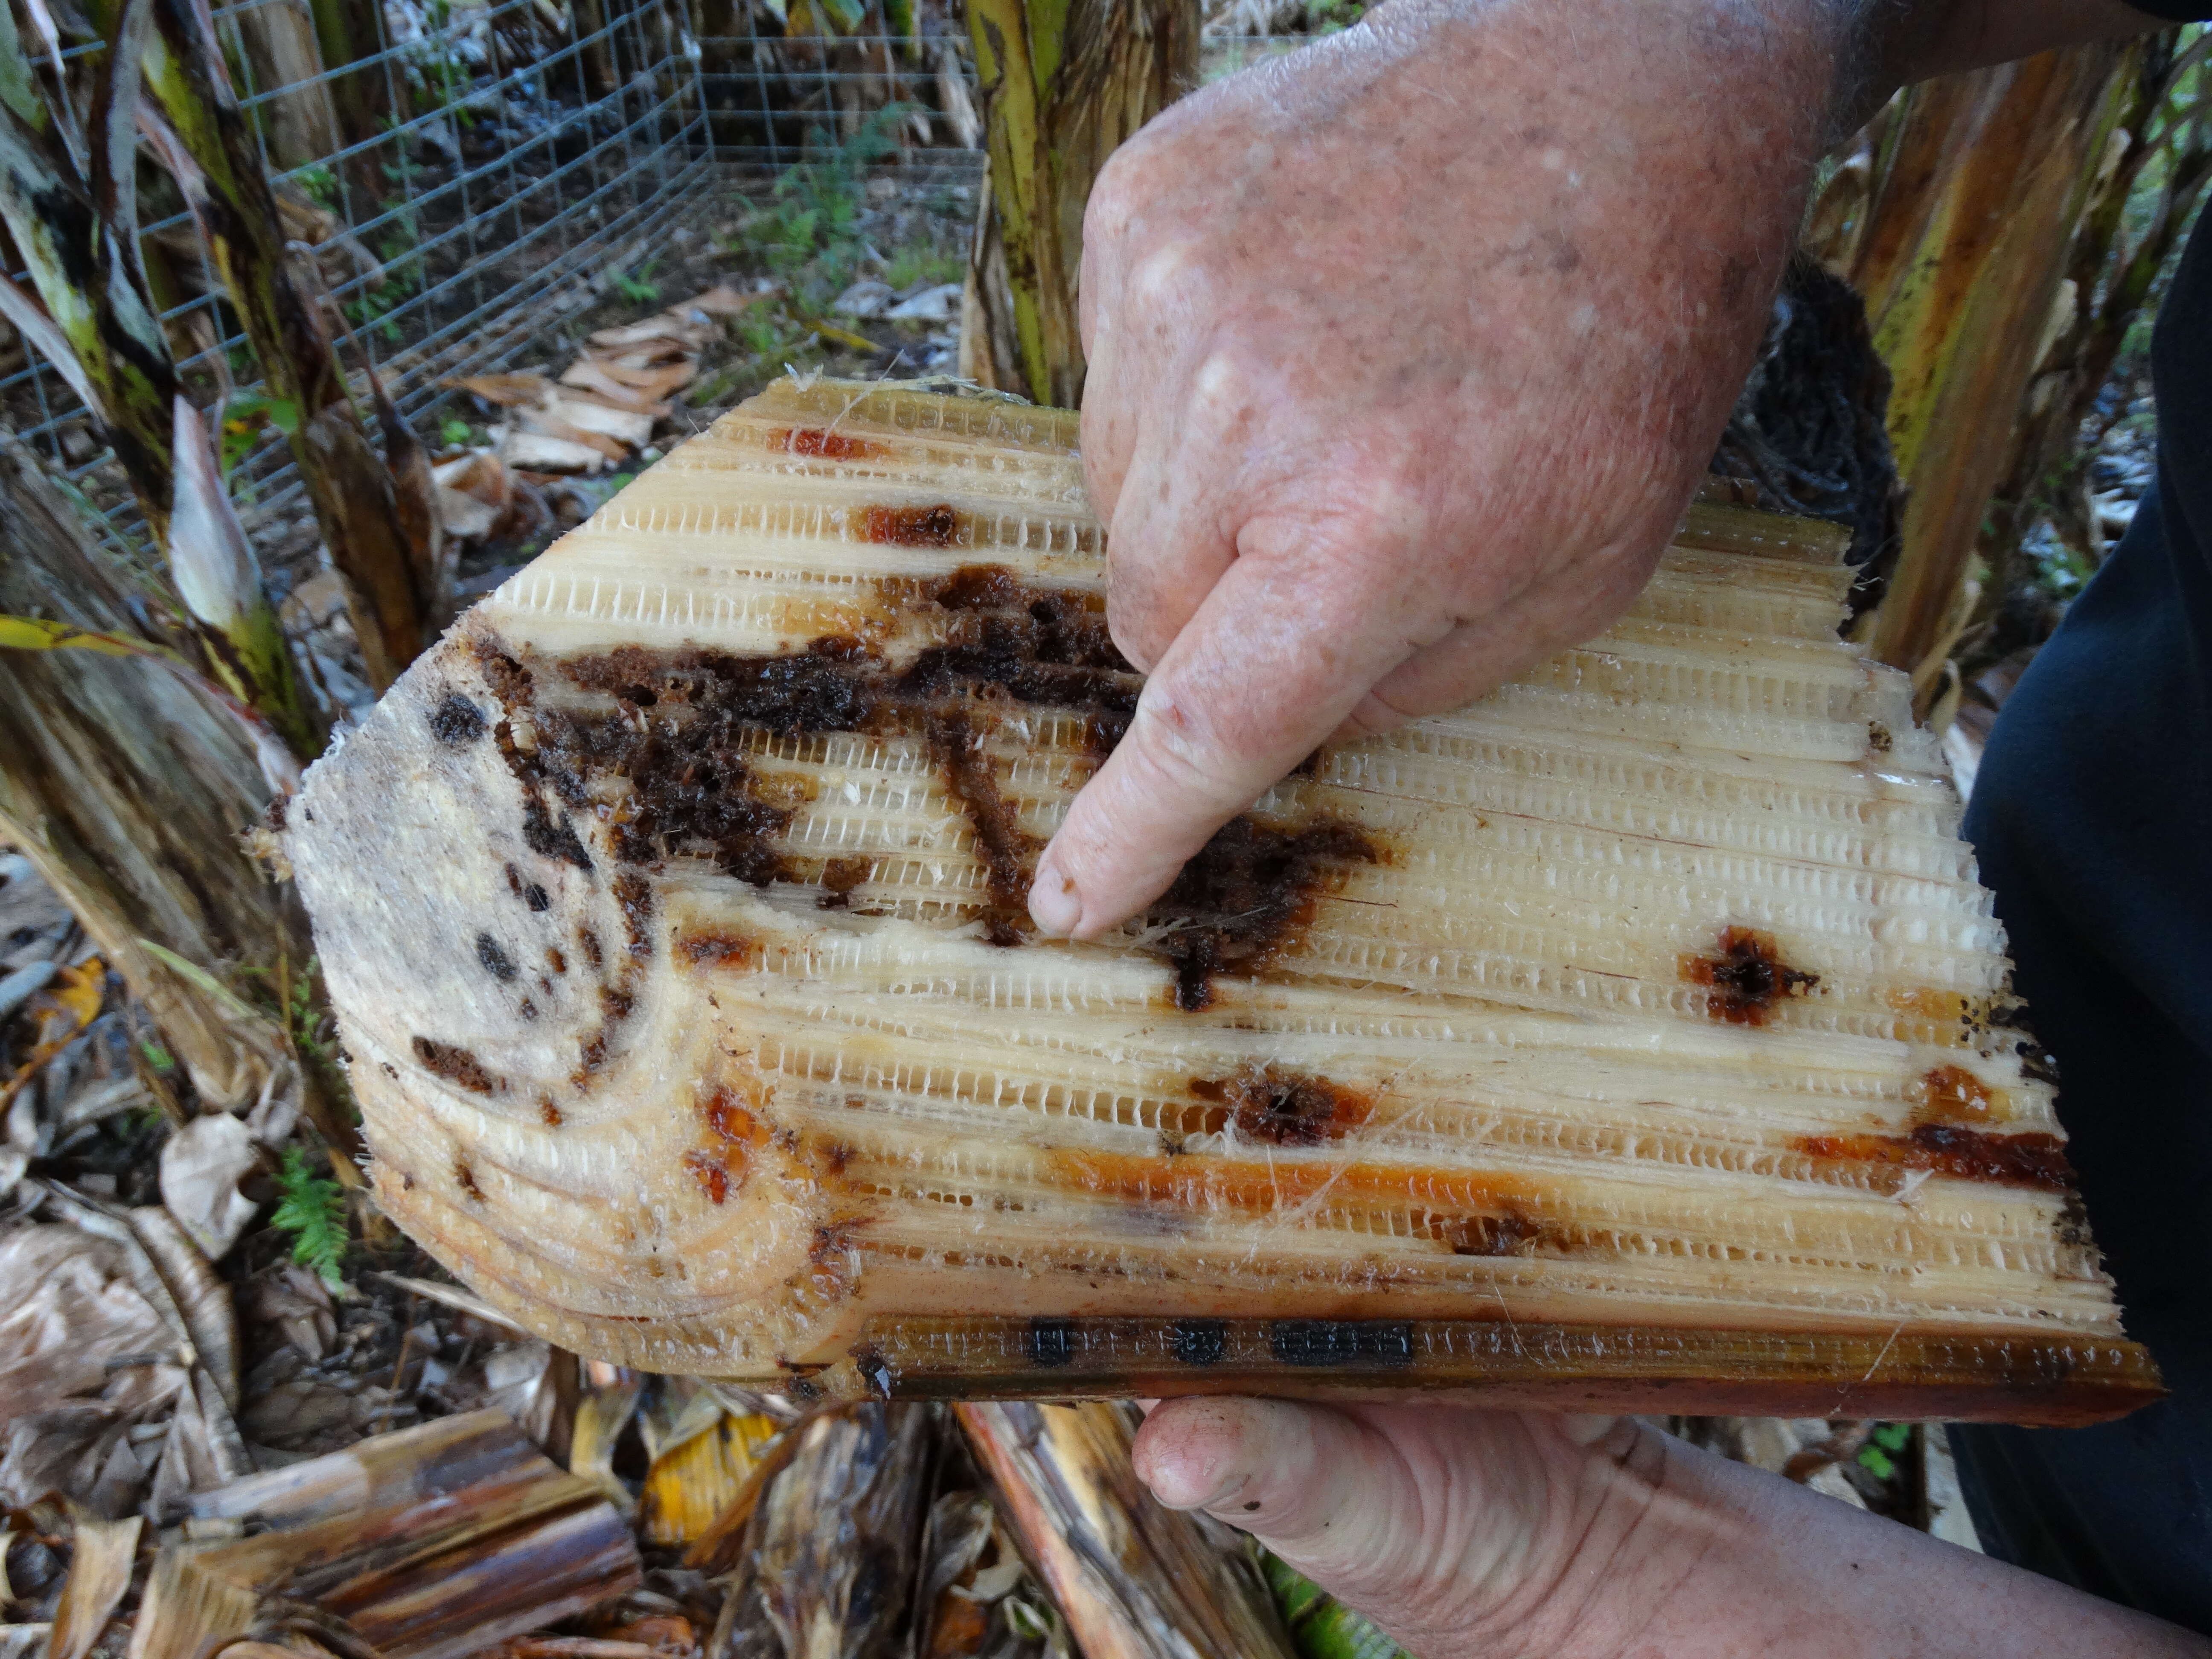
[{"x": 1639, "y": 1033}]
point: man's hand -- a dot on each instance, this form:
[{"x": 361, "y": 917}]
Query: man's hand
[
  {"x": 1475, "y": 1534},
  {"x": 1406, "y": 354}
]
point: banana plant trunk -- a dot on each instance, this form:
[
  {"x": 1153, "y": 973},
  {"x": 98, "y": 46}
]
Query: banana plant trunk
[
  {"x": 1064, "y": 82},
  {"x": 69, "y": 203},
  {"x": 279, "y": 46},
  {"x": 356, "y": 504},
  {"x": 2109, "y": 280},
  {"x": 1984, "y": 180},
  {"x": 129, "y": 790},
  {"x": 363, "y": 101}
]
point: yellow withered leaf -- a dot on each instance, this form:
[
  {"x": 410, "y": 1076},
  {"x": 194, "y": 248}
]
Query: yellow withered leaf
[{"x": 699, "y": 1477}]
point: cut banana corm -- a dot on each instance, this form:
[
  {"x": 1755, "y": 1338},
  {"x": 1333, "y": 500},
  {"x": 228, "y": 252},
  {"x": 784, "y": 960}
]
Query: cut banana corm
[{"x": 1638, "y": 1037}]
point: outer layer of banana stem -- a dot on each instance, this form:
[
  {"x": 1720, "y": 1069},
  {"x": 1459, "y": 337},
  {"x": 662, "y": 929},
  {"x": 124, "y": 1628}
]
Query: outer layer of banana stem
[
  {"x": 1498, "y": 1363},
  {"x": 1960, "y": 277},
  {"x": 127, "y": 789},
  {"x": 349, "y": 488},
  {"x": 353, "y": 94},
  {"x": 218, "y": 576}
]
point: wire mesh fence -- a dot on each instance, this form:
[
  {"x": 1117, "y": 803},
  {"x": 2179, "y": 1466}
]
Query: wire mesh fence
[
  {"x": 774, "y": 96},
  {"x": 462, "y": 173}
]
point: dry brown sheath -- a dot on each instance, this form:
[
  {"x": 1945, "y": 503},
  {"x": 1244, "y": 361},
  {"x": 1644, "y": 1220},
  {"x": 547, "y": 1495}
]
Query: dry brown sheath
[{"x": 1638, "y": 1037}]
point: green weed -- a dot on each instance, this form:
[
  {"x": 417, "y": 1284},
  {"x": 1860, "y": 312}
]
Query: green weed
[
  {"x": 637, "y": 288},
  {"x": 808, "y": 234},
  {"x": 917, "y": 263},
  {"x": 441, "y": 73},
  {"x": 1878, "y": 1457},
  {"x": 245, "y": 416},
  {"x": 320, "y": 185},
  {"x": 312, "y": 1208}
]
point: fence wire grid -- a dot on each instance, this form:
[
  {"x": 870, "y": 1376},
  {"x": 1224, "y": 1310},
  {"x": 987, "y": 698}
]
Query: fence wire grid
[{"x": 481, "y": 166}]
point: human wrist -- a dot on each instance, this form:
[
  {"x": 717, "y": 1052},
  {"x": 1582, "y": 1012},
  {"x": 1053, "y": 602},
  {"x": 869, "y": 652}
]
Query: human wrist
[{"x": 1660, "y": 1514}]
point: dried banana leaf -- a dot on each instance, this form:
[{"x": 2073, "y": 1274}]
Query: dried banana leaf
[
  {"x": 427, "y": 1544},
  {"x": 829, "y": 1558},
  {"x": 699, "y": 1464},
  {"x": 100, "y": 1573},
  {"x": 1637, "y": 1038},
  {"x": 974, "y": 1597}
]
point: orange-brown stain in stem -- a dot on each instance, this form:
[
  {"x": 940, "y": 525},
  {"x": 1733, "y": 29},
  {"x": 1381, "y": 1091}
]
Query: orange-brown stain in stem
[
  {"x": 831, "y": 1258},
  {"x": 728, "y": 1120},
  {"x": 839, "y": 878},
  {"x": 719, "y": 950},
  {"x": 455, "y": 1064},
  {"x": 1511, "y": 1233},
  {"x": 822, "y": 442},
  {"x": 1945, "y": 1007},
  {"x": 1261, "y": 1186},
  {"x": 1284, "y": 1108},
  {"x": 1248, "y": 895},
  {"x": 2023, "y": 1160},
  {"x": 1747, "y": 976},
  {"x": 712, "y": 1173},
  {"x": 911, "y": 526},
  {"x": 1951, "y": 1094}
]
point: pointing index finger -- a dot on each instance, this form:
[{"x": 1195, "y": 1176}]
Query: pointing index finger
[{"x": 1269, "y": 666}]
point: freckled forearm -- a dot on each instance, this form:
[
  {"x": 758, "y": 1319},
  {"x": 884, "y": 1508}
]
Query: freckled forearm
[{"x": 1871, "y": 47}]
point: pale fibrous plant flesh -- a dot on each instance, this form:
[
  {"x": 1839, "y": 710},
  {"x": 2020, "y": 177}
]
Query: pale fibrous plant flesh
[{"x": 1639, "y": 1027}]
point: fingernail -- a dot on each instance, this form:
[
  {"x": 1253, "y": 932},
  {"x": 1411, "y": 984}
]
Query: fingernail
[{"x": 1054, "y": 904}]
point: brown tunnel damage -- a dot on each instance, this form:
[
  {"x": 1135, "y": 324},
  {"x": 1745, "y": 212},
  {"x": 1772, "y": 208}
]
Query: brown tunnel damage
[
  {"x": 555, "y": 796},
  {"x": 686, "y": 720},
  {"x": 1953, "y": 1110},
  {"x": 1746, "y": 977}
]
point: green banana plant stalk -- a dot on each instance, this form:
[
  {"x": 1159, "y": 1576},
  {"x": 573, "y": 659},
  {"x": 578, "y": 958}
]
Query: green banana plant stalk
[
  {"x": 1322, "y": 1628},
  {"x": 1064, "y": 82}
]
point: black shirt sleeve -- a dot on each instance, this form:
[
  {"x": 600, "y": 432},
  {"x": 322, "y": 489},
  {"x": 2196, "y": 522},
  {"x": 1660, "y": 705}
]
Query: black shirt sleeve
[{"x": 2089, "y": 817}]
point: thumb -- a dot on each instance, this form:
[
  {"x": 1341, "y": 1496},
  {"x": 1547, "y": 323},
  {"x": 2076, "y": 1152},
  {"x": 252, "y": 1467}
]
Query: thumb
[
  {"x": 1310, "y": 1480},
  {"x": 1265, "y": 670},
  {"x": 1402, "y": 1532},
  {"x": 1429, "y": 1518}
]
